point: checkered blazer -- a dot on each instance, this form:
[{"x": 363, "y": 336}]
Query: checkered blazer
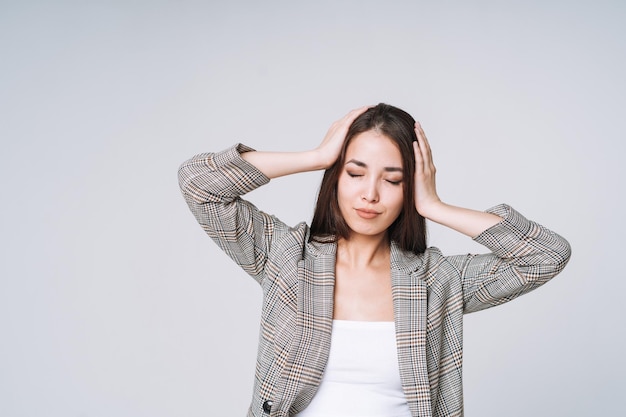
[{"x": 431, "y": 292}]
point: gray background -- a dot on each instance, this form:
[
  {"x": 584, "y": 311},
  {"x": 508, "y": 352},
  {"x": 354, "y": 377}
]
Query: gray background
[{"x": 114, "y": 303}]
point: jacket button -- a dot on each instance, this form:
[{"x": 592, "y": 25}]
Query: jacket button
[{"x": 267, "y": 406}]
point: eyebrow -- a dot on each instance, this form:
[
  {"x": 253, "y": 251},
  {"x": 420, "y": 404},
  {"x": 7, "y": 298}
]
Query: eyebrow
[{"x": 364, "y": 165}]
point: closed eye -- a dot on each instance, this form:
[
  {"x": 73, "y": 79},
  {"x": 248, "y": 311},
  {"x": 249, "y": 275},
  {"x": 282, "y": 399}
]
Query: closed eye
[{"x": 353, "y": 175}]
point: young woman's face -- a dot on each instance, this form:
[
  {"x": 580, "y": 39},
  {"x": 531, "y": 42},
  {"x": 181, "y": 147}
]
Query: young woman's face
[{"x": 370, "y": 186}]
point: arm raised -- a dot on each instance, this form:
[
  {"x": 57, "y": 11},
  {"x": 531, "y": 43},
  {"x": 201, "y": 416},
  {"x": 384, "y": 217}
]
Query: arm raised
[
  {"x": 428, "y": 204},
  {"x": 278, "y": 164}
]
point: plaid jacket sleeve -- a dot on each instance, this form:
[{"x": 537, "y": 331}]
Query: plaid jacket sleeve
[
  {"x": 524, "y": 256},
  {"x": 212, "y": 184}
]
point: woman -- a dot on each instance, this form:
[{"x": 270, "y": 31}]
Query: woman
[{"x": 359, "y": 317}]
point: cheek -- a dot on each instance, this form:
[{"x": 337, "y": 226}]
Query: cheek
[
  {"x": 342, "y": 195},
  {"x": 396, "y": 199},
  {"x": 344, "y": 190}
]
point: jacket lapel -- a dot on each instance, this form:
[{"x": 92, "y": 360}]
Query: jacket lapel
[
  {"x": 312, "y": 331},
  {"x": 310, "y": 345},
  {"x": 409, "y": 294}
]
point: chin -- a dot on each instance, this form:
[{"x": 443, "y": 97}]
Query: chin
[{"x": 366, "y": 231}]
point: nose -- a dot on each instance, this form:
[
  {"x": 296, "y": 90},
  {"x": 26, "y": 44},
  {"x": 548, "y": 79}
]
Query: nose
[{"x": 370, "y": 192}]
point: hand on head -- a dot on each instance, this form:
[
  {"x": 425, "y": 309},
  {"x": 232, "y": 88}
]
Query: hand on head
[
  {"x": 426, "y": 198},
  {"x": 330, "y": 148}
]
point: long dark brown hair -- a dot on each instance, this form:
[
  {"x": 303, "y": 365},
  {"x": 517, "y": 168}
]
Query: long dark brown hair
[{"x": 408, "y": 231}]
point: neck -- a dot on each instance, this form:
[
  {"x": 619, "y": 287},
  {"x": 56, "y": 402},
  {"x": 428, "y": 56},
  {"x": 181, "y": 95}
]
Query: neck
[{"x": 362, "y": 251}]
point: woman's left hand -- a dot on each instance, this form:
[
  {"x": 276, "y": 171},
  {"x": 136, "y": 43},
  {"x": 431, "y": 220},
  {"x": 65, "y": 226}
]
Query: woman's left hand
[{"x": 426, "y": 198}]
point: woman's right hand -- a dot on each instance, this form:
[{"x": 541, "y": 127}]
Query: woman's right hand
[
  {"x": 277, "y": 164},
  {"x": 330, "y": 148}
]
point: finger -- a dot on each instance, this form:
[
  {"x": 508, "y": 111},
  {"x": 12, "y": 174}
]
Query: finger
[
  {"x": 342, "y": 125},
  {"x": 339, "y": 128},
  {"x": 347, "y": 120},
  {"x": 423, "y": 144},
  {"x": 353, "y": 114},
  {"x": 421, "y": 136},
  {"x": 419, "y": 160}
]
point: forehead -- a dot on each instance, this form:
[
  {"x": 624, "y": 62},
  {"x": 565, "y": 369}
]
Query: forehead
[{"x": 372, "y": 146}]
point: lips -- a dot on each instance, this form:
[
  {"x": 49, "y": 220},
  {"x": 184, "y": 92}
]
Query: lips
[{"x": 367, "y": 213}]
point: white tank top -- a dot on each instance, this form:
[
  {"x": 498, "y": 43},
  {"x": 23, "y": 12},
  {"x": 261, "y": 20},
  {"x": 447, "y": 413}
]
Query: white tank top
[{"x": 362, "y": 377}]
